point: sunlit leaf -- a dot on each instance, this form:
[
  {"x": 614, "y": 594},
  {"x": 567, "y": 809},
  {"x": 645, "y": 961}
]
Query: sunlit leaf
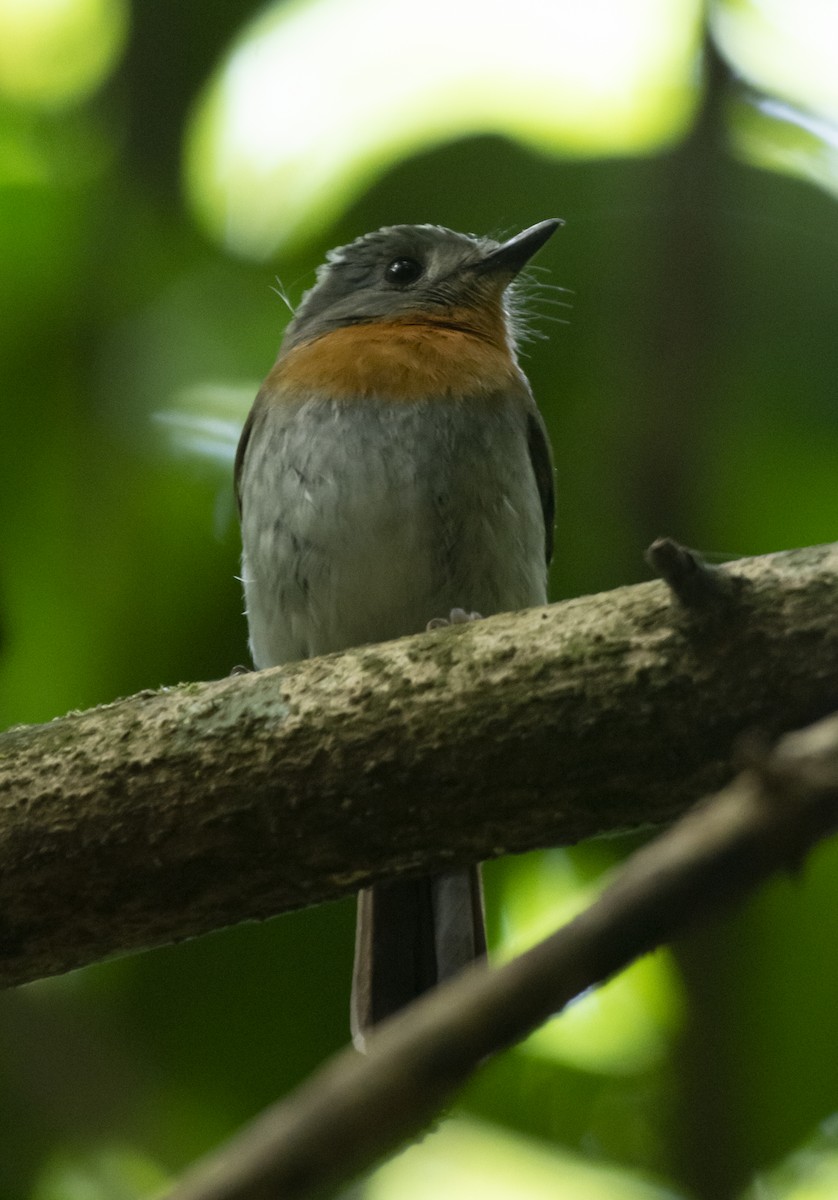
[
  {"x": 318, "y": 97},
  {"x": 623, "y": 1026},
  {"x": 54, "y": 52},
  {"x": 785, "y": 47},
  {"x": 112, "y": 1173},
  {"x": 464, "y": 1159},
  {"x": 810, "y": 1173},
  {"x": 770, "y": 133}
]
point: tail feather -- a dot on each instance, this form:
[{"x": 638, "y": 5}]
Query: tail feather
[{"x": 411, "y": 935}]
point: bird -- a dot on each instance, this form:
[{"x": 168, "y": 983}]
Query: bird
[{"x": 395, "y": 473}]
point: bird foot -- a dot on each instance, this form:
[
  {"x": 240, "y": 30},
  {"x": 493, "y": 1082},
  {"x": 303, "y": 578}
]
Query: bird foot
[{"x": 457, "y": 616}]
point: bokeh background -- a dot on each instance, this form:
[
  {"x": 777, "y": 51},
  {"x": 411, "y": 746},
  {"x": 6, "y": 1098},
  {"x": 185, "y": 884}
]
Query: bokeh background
[{"x": 160, "y": 165}]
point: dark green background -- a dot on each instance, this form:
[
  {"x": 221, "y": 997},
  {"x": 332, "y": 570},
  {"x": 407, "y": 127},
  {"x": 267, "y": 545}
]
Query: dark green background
[{"x": 692, "y": 393}]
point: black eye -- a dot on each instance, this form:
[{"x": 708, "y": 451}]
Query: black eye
[{"x": 402, "y": 271}]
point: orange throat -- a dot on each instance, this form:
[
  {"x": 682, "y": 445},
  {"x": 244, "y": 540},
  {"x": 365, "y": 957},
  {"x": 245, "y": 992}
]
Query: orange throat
[{"x": 463, "y": 353}]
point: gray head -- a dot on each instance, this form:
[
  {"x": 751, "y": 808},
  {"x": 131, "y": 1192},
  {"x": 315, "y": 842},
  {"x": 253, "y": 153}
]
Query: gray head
[{"x": 411, "y": 269}]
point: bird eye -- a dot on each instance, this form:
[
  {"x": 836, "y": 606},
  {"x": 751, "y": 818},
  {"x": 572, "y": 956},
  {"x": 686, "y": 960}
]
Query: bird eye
[{"x": 402, "y": 271}]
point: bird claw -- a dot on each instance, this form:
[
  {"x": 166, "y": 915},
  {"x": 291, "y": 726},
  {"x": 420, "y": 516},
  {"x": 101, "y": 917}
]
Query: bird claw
[{"x": 457, "y": 616}]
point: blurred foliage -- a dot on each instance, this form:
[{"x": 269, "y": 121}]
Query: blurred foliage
[
  {"x": 158, "y": 166},
  {"x": 591, "y": 79}
]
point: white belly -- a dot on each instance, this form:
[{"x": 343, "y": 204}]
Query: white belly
[{"x": 361, "y": 521}]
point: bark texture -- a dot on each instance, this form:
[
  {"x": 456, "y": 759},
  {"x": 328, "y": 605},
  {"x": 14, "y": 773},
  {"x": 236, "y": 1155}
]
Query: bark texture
[
  {"x": 175, "y": 812},
  {"x": 357, "y": 1107}
]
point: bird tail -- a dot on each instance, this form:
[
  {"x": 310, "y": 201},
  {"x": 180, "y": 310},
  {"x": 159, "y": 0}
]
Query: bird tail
[{"x": 411, "y": 935}]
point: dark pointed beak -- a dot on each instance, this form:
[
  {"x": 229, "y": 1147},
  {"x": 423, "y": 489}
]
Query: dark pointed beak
[{"x": 509, "y": 258}]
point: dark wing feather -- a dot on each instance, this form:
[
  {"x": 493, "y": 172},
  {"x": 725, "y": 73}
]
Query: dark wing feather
[
  {"x": 241, "y": 452},
  {"x": 541, "y": 458}
]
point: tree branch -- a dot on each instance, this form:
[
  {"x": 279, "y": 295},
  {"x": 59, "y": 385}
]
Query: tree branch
[
  {"x": 357, "y": 1108},
  {"x": 175, "y": 812}
]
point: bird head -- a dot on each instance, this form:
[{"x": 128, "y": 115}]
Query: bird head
[{"x": 421, "y": 274}]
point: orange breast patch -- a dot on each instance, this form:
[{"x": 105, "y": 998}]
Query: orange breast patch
[{"x": 403, "y": 359}]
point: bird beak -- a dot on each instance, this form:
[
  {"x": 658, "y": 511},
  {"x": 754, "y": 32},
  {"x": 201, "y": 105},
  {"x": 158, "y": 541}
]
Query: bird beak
[{"x": 509, "y": 258}]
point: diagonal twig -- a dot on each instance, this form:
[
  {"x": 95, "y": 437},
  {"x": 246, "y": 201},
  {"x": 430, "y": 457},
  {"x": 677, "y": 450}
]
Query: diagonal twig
[{"x": 357, "y": 1108}]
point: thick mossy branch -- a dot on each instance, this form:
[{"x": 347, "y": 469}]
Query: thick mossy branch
[{"x": 175, "y": 812}]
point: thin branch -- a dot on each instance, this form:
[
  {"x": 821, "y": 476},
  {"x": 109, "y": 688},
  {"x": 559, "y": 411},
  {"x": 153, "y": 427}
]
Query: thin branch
[
  {"x": 175, "y": 812},
  {"x": 358, "y": 1108}
]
